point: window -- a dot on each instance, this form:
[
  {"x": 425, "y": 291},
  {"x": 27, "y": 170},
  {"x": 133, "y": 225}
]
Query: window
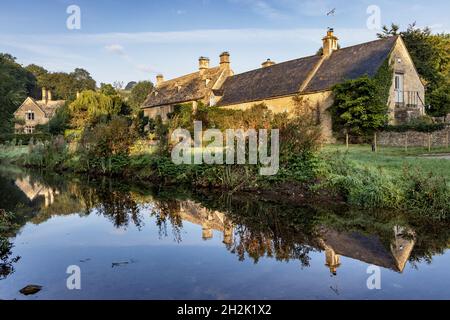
[
  {"x": 30, "y": 115},
  {"x": 399, "y": 89},
  {"x": 29, "y": 129}
]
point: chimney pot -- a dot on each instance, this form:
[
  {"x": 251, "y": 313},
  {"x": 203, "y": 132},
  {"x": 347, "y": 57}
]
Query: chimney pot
[
  {"x": 49, "y": 95},
  {"x": 159, "y": 79},
  {"x": 268, "y": 63},
  {"x": 44, "y": 94},
  {"x": 203, "y": 63},
  {"x": 330, "y": 43},
  {"x": 225, "y": 59}
]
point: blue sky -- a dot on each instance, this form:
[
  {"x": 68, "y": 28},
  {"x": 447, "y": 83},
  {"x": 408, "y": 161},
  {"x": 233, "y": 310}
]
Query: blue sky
[{"x": 136, "y": 39}]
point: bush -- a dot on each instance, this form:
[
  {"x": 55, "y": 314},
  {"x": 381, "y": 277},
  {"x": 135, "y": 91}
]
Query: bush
[{"x": 422, "y": 124}]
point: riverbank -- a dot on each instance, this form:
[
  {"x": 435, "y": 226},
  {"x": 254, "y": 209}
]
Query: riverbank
[{"x": 390, "y": 179}]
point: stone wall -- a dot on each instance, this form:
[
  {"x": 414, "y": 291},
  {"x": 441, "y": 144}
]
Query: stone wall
[
  {"x": 414, "y": 138},
  {"x": 319, "y": 101}
]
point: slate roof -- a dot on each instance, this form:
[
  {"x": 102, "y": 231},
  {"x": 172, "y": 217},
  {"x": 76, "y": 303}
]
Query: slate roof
[
  {"x": 278, "y": 80},
  {"x": 351, "y": 63},
  {"x": 50, "y": 107},
  {"x": 368, "y": 249},
  {"x": 187, "y": 88},
  {"x": 288, "y": 77}
]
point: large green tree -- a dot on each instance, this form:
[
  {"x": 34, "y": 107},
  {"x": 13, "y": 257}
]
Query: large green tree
[
  {"x": 139, "y": 93},
  {"x": 63, "y": 85},
  {"x": 94, "y": 107},
  {"x": 15, "y": 84}
]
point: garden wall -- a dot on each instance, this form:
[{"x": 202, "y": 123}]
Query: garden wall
[{"x": 414, "y": 138}]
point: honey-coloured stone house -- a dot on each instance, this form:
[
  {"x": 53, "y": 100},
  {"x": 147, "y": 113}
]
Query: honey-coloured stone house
[
  {"x": 36, "y": 112},
  {"x": 313, "y": 77}
]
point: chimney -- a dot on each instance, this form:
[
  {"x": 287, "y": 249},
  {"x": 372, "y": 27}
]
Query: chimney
[
  {"x": 49, "y": 95},
  {"x": 44, "y": 95},
  {"x": 159, "y": 79},
  {"x": 203, "y": 63},
  {"x": 225, "y": 60},
  {"x": 268, "y": 63},
  {"x": 330, "y": 43}
]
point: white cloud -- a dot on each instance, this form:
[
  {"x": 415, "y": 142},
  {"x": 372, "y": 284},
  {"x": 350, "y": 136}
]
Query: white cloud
[{"x": 116, "y": 49}]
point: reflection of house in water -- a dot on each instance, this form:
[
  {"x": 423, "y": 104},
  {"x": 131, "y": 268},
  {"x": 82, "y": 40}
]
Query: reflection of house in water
[
  {"x": 34, "y": 190},
  {"x": 368, "y": 249},
  {"x": 208, "y": 219},
  {"x": 365, "y": 248}
]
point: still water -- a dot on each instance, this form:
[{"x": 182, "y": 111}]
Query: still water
[{"x": 134, "y": 241}]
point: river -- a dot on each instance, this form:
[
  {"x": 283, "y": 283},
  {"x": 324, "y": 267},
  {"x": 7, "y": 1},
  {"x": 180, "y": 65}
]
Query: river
[{"x": 138, "y": 241}]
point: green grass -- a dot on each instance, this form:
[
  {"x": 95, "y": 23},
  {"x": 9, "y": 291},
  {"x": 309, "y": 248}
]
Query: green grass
[
  {"x": 12, "y": 153},
  {"x": 393, "y": 160}
]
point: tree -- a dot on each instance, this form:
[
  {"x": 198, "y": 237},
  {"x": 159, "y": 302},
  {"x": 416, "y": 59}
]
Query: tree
[
  {"x": 118, "y": 85},
  {"x": 389, "y": 32},
  {"x": 139, "y": 93},
  {"x": 90, "y": 108},
  {"x": 15, "y": 84},
  {"x": 440, "y": 101},
  {"x": 94, "y": 107},
  {"x": 82, "y": 80},
  {"x": 63, "y": 85},
  {"x": 107, "y": 89},
  {"x": 358, "y": 107}
]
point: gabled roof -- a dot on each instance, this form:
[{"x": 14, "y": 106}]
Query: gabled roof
[
  {"x": 278, "y": 80},
  {"x": 288, "y": 77},
  {"x": 370, "y": 249},
  {"x": 351, "y": 63},
  {"x": 48, "y": 108},
  {"x": 191, "y": 87}
]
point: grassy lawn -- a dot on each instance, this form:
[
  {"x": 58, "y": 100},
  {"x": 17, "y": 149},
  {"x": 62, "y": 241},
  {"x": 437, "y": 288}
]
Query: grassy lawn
[{"x": 394, "y": 159}]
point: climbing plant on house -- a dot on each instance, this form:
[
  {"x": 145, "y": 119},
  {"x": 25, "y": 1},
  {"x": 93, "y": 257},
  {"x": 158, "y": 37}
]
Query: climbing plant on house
[{"x": 361, "y": 105}]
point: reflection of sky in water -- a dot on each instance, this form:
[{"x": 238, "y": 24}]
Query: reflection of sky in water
[{"x": 161, "y": 268}]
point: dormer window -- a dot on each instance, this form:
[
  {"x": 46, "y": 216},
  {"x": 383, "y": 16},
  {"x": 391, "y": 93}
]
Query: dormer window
[{"x": 30, "y": 115}]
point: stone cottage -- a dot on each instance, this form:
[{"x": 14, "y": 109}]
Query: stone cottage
[
  {"x": 36, "y": 112},
  {"x": 312, "y": 77}
]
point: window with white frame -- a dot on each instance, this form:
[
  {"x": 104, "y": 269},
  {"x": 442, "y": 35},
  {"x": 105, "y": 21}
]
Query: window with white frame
[
  {"x": 29, "y": 129},
  {"x": 30, "y": 115}
]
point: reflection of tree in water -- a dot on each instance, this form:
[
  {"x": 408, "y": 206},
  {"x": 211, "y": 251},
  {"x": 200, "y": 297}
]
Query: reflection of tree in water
[
  {"x": 119, "y": 207},
  {"x": 6, "y": 261},
  {"x": 251, "y": 228},
  {"x": 267, "y": 230},
  {"x": 168, "y": 211}
]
